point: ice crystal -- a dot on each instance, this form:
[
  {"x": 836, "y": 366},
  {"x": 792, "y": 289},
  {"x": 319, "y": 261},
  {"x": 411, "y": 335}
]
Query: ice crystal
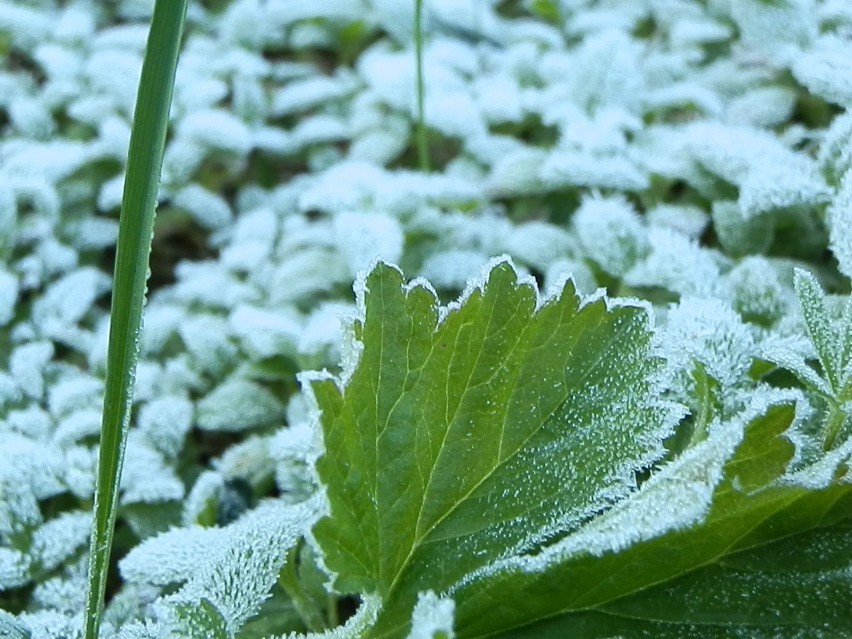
[{"x": 432, "y": 617}]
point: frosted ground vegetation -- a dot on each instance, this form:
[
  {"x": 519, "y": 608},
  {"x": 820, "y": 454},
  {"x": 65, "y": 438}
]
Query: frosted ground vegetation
[{"x": 669, "y": 184}]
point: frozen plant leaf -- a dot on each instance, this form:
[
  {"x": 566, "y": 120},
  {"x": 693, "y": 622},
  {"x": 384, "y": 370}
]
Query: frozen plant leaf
[
  {"x": 238, "y": 404},
  {"x": 689, "y": 555},
  {"x": 472, "y": 432},
  {"x": 831, "y": 337},
  {"x": 775, "y": 25},
  {"x": 237, "y": 576},
  {"x": 172, "y": 556},
  {"x": 825, "y": 70},
  {"x": 611, "y": 233},
  {"x": 839, "y": 223}
]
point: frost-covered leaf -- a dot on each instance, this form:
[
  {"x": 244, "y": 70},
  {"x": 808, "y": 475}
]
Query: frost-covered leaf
[
  {"x": 677, "y": 263},
  {"x": 757, "y": 290},
  {"x": 14, "y": 569},
  {"x": 363, "y": 237},
  {"x": 840, "y": 222},
  {"x": 146, "y": 478},
  {"x": 236, "y": 577},
  {"x": 572, "y": 168},
  {"x": 67, "y": 300},
  {"x": 734, "y": 510},
  {"x": 776, "y": 26},
  {"x": 823, "y": 333},
  {"x": 611, "y": 233},
  {"x": 739, "y": 234},
  {"x": 58, "y": 539},
  {"x": 238, "y": 404},
  {"x": 835, "y": 151},
  {"x": 8, "y": 296},
  {"x": 171, "y": 557},
  {"x": 826, "y": 70},
  {"x": 538, "y": 244},
  {"x": 763, "y": 107},
  {"x": 216, "y": 129},
  {"x": 210, "y": 210},
  {"x": 165, "y": 422},
  {"x": 769, "y": 175},
  {"x": 460, "y": 435},
  {"x": 709, "y": 332},
  {"x": 208, "y": 340}
]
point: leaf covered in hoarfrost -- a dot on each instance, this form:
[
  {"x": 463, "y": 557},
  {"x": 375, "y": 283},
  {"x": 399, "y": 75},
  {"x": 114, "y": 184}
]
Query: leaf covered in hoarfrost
[
  {"x": 611, "y": 233},
  {"x": 712, "y": 545},
  {"x": 228, "y": 572},
  {"x": 238, "y": 404},
  {"x": 826, "y": 70},
  {"x": 839, "y": 223},
  {"x": 475, "y": 431},
  {"x": 251, "y": 554}
]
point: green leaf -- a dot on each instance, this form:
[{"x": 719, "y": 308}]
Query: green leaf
[
  {"x": 477, "y": 431},
  {"x": 658, "y": 585},
  {"x": 136, "y": 230},
  {"x": 797, "y": 587}
]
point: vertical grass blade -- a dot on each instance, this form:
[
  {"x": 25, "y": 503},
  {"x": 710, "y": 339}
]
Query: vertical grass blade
[
  {"x": 422, "y": 134},
  {"x": 136, "y": 228}
]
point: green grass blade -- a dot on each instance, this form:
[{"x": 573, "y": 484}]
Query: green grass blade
[
  {"x": 422, "y": 134},
  {"x": 136, "y": 229}
]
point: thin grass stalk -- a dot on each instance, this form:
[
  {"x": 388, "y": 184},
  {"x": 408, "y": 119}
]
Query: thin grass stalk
[
  {"x": 136, "y": 229},
  {"x": 422, "y": 133}
]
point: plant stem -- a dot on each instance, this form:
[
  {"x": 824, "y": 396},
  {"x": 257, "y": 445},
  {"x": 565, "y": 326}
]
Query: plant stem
[
  {"x": 422, "y": 133},
  {"x": 136, "y": 229}
]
